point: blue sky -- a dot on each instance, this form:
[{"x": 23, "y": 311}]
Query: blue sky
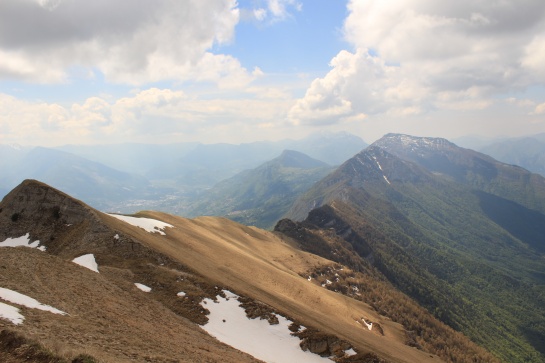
[
  {"x": 303, "y": 42},
  {"x": 79, "y": 72}
]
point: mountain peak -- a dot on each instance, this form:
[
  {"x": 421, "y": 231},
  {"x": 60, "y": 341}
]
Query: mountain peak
[
  {"x": 33, "y": 203},
  {"x": 391, "y": 140},
  {"x": 296, "y": 159}
]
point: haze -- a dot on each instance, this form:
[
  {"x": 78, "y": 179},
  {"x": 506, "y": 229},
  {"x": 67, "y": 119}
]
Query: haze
[{"x": 80, "y": 72}]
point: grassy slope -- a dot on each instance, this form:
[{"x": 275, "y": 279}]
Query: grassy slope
[
  {"x": 114, "y": 321},
  {"x": 109, "y": 318},
  {"x": 260, "y": 265}
]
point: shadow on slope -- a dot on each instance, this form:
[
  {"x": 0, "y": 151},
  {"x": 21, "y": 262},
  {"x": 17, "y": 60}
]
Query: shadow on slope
[{"x": 525, "y": 224}]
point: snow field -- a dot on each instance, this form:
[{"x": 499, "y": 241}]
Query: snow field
[
  {"x": 87, "y": 261},
  {"x": 229, "y": 324},
  {"x": 148, "y": 224},
  {"x": 22, "y": 241}
]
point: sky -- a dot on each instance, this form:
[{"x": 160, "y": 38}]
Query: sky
[{"x": 163, "y": 71}]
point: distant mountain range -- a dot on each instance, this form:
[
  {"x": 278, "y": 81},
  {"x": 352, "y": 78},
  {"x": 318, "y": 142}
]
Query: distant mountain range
[
  {"x": 528, "y": 152},
  {"x": 261, "y": 196},
  {"x": 458, "y": 231},
  {"x": 85, "y": 179},
  {"x": 195, "y": 165},
  {"x": 133, "y": 177}
]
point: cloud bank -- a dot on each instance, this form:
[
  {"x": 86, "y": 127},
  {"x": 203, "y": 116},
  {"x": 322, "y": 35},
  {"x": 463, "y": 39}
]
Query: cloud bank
[
  {"x": 413, "y": 57},
  {"x": 128, "y": 41}
]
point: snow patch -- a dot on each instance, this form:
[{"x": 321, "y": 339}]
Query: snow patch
[
  {"x": 21, "y": 299},
  {"x": 11, "y": 313},
  {"x": 87, "y": 261},
  {"x": 181, "y": 294},
  {"x": 142, "y": 287},
  {"x": 369, "y": 325},
  {"x": 229, "y": 324},
  {"x": 116, "y": 237},
  {"x": 148, "y": 224},
  {"x": 378, "y": 164},
  {"x": 22, "y": 241},
  {"x": 385, "y": 178},
  {"x": 350, "y": 352}
]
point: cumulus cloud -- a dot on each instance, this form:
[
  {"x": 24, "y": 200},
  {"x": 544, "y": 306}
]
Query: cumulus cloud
[
  {"x": 161, "y": 115},
  {"x": 415, "y": 56},
  {"x": 128, "y": 41}
]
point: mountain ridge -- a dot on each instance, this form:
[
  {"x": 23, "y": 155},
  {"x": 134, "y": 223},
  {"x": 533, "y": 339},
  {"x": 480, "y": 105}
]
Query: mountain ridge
[
  {"x": 202, "y": 257},
  {"x": 436, "y": 220},
  {"x": 262, "y": 195}
]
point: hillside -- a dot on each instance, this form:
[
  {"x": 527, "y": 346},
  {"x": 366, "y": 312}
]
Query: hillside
[
  {"x": 456, "y": 230},
  {"x": 528, "y": 152},
  {"x": 262, "y": 195},
  {"x": 185, "y": 265}
]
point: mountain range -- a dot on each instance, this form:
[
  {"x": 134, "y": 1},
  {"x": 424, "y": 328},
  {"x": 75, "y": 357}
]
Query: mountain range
[
  {"x": 528, "y": 152},
  {"x": 132, "y": 177},
  {"x": 458, "y": 231},
  {"x": 413, "y": 239},
  {"x": 156, "y": 287},
  {"x": 261, "y": 196}
]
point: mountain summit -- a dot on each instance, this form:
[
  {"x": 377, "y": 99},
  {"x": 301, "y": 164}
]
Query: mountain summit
[
  {"x": 469, "y": 167},
  {"x": 296, "y": 159},
  {"x": 262, "y": 195}
]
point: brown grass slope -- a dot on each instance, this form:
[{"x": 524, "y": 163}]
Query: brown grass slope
[
  {"x": 116, "y": 322},
  {"x": 258, "y": 264},
  {"x": 365, "y": 283},
  {"x": 109, "y": 318}
]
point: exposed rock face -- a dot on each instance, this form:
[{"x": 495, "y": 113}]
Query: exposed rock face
[
  {"x": 325, "y": 234},
  {"x": 37, "y": 207},
  {"x": 322, "y": 344},
  {"x": 66, "y": 226}
]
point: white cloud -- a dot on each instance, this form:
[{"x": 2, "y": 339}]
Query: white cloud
[
  {"x": 275, "y": 10},
  {"x": 540, "y": 109},
  {"x": 49, "y": 4},
  {"x": 279, "y": 8},
  {"x": 414, "y": 57},
  {"x": 260, "y": 14},
  {"x": 128, "y": 42},
  {"x": 149, "y": 115}
]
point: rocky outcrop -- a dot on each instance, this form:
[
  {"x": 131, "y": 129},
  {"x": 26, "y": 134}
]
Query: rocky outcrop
[
  {"x": 322, "y": 344},
  {"x": 42, "y": 210},
  {"x": 65, "y": 226}
]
